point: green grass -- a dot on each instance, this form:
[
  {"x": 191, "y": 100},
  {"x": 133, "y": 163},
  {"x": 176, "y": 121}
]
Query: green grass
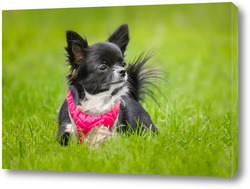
[{"x": 198, "y": 123}]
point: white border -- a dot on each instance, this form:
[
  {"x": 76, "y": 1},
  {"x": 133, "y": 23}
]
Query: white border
[{"x": 29, "y": 4}]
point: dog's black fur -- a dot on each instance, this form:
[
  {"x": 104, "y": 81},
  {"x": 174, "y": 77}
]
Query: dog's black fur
[{"x": 96, "y": 69}]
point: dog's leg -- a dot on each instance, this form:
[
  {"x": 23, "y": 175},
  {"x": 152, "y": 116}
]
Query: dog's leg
[
  {"x": 67, "y": 127},
  {"x": 134, "y": 117}
]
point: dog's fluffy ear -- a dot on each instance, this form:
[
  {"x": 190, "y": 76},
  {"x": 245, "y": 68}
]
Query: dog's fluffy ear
[
  {"x": 120, "y": 37},
  {"x": 75, "y": 48}
]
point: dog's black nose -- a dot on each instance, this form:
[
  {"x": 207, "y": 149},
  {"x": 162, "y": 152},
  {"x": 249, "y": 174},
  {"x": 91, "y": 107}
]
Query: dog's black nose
[{"x": 122, "y": 72}]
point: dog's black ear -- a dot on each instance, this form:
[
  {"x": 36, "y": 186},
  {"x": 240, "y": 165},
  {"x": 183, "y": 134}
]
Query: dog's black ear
[
  {"x": 120, "y": 37},
  {"x": 75, "y": 48}
]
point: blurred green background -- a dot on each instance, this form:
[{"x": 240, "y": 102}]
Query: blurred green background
[{"x": 196, "y": 48}]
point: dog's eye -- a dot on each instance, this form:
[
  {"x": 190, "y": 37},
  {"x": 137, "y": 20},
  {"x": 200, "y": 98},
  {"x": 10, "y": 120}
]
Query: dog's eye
[
  {"x": 103, "y": 67},
  {"x": 123, "y": 64}
]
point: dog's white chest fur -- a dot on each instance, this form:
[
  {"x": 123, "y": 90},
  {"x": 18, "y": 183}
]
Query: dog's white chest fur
[{"x": 103, "y": 102}]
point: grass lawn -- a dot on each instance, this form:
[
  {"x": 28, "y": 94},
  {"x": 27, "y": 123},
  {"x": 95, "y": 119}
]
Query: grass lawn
[{"x": 198, "y": 121}]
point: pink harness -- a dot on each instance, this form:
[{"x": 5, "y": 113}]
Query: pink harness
[{"x": 85, "y": 122}]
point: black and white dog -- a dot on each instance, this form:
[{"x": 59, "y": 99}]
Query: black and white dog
[{"x": 99, "y": 78}]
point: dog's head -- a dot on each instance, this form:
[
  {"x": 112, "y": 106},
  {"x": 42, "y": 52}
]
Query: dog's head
[{"x": 99, "y": 67}]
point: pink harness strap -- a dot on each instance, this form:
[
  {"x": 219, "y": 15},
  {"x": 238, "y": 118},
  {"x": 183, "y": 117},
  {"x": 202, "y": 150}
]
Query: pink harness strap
[{"x": 85, "y": 122}]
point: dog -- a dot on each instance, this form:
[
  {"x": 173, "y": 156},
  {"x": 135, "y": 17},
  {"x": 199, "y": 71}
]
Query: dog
[{"x": 101, "y": 85}]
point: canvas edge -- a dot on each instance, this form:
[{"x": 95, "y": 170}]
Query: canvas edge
[{"x": 235, "y": 110}]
